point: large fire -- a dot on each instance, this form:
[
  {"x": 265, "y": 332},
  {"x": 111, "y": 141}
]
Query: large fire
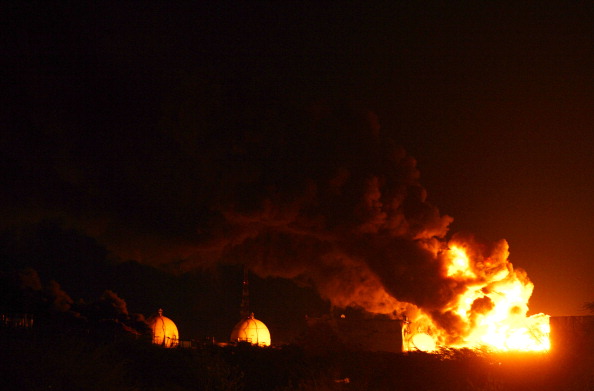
[{"x": 489, "y": 312}]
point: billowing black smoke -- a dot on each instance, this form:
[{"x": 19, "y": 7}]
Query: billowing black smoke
[{"x": 318, "y": 195}]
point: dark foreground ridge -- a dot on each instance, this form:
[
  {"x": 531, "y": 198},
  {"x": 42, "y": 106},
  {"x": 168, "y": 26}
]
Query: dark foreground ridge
[{"x": 57, "y": 361}]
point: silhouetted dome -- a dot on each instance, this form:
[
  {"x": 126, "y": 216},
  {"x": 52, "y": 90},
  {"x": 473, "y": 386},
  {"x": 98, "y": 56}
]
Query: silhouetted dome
[
  {"x": 164, "y": 330},
  {"x": 251, "y": 330}
]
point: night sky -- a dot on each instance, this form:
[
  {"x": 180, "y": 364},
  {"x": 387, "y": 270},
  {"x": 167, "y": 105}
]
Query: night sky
[{"x": 190, "y": 137}]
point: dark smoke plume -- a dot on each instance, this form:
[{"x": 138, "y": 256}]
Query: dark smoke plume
[{"x": 322, "y": 197}]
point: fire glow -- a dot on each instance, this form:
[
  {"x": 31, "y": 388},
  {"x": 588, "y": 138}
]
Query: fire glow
[{"x": 491, "y": 309}]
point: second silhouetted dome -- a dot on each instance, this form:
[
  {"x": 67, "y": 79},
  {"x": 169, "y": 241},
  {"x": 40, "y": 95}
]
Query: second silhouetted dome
[{"x": 251, "y": 330}]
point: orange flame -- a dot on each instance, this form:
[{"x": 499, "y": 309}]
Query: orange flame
[{"x": 491, "y": 310}]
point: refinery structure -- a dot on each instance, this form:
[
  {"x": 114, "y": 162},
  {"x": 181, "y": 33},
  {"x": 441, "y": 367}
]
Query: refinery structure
[
  {"x": 351, "y": 328},
  {"x": 248, "y": 330},
  {"x": 568, "y": 333},
  {"x": 164, "y": 331}
]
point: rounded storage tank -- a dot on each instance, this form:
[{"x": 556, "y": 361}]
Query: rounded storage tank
[
  {"x": 164, "y": 330},
  {"x": 251, "y": 330}
]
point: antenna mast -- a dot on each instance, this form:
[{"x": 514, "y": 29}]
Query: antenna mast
[{"x": 245, "y": 295}]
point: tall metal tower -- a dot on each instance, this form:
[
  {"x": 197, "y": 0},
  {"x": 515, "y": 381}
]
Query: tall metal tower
[{"x": 244, "y": 312}]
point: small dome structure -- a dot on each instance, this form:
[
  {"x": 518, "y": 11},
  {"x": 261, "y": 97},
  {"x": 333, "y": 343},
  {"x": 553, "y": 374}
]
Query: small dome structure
[
  {"x": 164, "y": 330},
  {"x": 251, "y": 330}
]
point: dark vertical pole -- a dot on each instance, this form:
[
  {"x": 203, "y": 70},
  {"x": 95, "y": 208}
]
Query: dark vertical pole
[{"x": 245, "y": 295}]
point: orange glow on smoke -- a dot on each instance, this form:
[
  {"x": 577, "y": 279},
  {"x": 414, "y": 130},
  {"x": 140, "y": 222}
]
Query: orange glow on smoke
[{"x": 491, "y": 311}]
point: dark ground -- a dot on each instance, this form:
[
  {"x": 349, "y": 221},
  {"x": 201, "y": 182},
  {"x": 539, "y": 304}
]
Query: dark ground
[{"x": 54, "y": 361}]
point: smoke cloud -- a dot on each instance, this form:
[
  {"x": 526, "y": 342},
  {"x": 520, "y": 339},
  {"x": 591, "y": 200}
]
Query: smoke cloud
[
  {"x": 186, "y": 148},
  {"x": 320, "y": 196}
]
